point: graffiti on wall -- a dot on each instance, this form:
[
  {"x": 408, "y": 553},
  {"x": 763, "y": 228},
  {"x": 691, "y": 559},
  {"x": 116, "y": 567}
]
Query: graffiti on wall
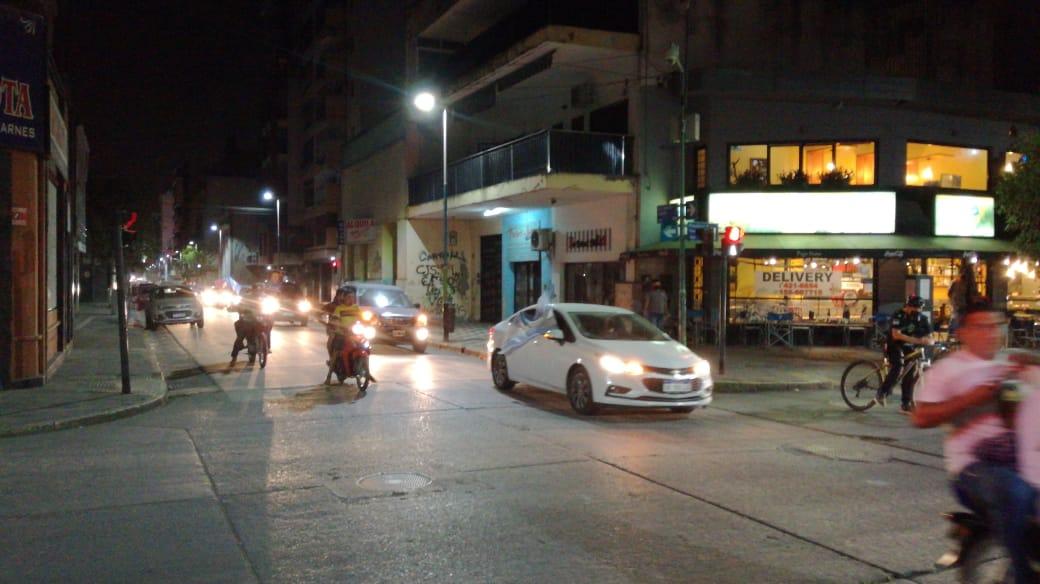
[{"x": 455, "y": 272}]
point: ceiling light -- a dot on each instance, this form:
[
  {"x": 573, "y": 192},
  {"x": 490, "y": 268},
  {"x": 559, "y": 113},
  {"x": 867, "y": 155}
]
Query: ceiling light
[{"x": 495, "y": 211}]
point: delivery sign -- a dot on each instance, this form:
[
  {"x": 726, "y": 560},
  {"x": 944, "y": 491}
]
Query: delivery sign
[
  {"x": 23, "y": 81},
  {"x": 811, "y": 284}
]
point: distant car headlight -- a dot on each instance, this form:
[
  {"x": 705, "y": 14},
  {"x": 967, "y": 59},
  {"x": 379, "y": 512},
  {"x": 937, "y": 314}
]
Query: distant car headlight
[
  {"x": 702, "y": 368},
  {"x": 209, "y": 297},
  {"x": 304, "y": 306},
  {"x": 422, "y": 319},
  {"x": 270, "y": 305},
  {"x": 615, "y": 365}
]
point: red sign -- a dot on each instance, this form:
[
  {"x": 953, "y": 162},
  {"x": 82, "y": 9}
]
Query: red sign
[{"x": 19, "y": 216}]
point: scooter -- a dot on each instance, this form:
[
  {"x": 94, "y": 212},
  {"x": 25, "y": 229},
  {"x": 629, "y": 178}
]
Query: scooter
[{"x": 352, "y": 361}]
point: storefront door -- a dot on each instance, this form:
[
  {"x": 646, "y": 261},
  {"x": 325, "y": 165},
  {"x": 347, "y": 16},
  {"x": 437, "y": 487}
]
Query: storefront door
[
  {"x": 491, "y": 278},
  {"x": 527, "y": 284},
  {"x": 591, "y": 283}
]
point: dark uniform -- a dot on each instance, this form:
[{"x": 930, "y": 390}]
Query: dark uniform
[{"x": 911, "y": 324}]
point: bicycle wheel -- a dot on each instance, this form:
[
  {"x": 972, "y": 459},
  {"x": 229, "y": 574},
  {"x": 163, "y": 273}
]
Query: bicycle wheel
[
  {"x": 262, "y": 349},
  {"x": 859, "y": 385}
]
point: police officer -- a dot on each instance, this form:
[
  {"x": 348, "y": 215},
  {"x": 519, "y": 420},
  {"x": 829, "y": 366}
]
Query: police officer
[{"x": 909, "y": 327}]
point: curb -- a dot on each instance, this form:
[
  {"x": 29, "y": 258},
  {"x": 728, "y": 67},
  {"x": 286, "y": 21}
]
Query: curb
[
  {"x": 721, "y": 385},
  {"x": 87, "y": 420}
]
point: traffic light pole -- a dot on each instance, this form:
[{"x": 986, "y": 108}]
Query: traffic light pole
[
  {"x": 124, "y": 343},
  {"x": 723, "y": 309}
]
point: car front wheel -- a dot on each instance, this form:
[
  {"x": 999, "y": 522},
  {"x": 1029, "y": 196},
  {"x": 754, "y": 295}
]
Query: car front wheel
[
  {"x": 500, "y": 372},
  {"x": 579, "y": 392}
]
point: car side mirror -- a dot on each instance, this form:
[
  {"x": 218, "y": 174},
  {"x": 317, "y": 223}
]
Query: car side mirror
[{"x": 556, "y": 334}]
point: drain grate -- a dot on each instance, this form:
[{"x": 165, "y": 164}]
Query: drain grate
[{"x": 397, "y": 482}]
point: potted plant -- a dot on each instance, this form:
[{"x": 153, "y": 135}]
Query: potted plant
[
  {"x": 839, "y": 177},
  {"x": 752, "y": 177},
  {"x": 794, "y": 178}
]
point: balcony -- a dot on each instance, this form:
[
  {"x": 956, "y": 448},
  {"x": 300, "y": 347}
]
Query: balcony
[{"x": 544, "y": 153}]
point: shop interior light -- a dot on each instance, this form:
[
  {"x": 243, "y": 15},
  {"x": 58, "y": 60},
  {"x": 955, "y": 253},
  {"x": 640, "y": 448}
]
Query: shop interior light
[
  {"x": 813, "y": 265},
  {"x": 1008, "y": 167},
  {"x": 830, "y": 167},
  {"x": 855, "y": 260},
  {"x": 1007, "y": 261},
  {"x": 974, "y": 259},
  {"x": 495, "y": 211},
  {"x": 927, "y": 174}
]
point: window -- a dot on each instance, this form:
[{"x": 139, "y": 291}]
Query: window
[
  {"x": 810, "y": 288},
  {"x": 828, "y": 164},
  {"x": 933, "y": 165},
  {"x": 1011, "y": 160}
]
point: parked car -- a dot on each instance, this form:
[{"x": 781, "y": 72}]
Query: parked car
[
  {"x": 293, "y": 305},
  {"x": 396, "y": 319},
  {"x": 173, "y": 305},
  {"x": 597, "y": 355}
]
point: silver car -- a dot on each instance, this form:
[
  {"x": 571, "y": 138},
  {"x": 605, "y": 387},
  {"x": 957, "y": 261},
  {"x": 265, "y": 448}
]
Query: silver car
[
  {"x": 173, "y": 305},
  {"x": 396, "y": 319}
]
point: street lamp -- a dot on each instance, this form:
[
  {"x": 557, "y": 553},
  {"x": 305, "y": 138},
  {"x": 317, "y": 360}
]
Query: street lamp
[
  {"x": 270, "y": 196},
  {"x": 426, "y": 102},
  {"x": 220, "y": 248},
  {"x": 675, "y": 60}
]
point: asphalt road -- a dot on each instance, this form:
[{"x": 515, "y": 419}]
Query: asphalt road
[{"x": 255, "y": 475}]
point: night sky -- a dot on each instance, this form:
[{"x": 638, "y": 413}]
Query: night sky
[{"x": 164, "y": 82}]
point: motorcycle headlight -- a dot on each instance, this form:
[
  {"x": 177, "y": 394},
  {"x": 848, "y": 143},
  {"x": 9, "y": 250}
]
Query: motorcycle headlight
[
  {"x": 421, "y": 320},
  {"x": 702, "y": 368},
  {"x": 370, "y": 332},
  {"x": 270, "y": 305},
  {"x": 304, "y": 306},
  {"x": 366, "y": 315},
  {"x": 358, "y": 328}
]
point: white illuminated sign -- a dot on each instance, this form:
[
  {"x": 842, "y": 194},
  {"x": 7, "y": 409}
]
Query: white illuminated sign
[
  {"x": 964, "y": 216},
  {"x": 784, "y": 212}
]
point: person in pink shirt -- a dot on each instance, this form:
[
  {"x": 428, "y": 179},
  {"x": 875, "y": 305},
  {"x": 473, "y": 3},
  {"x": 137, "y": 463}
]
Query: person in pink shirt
[{"x": 962, "y": 390}]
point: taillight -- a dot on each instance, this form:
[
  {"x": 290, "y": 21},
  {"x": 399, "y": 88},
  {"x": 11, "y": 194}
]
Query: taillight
[{"x": 491, "y": 332}]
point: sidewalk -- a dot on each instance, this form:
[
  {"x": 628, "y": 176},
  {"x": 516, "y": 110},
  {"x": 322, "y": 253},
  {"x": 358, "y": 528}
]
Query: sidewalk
[
  {"x": 86, "y": 388},
  {"x": 748, "y": 368}
]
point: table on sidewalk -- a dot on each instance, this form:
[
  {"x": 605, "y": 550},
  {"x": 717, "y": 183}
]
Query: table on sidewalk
[{"x": 772, "y": 332}]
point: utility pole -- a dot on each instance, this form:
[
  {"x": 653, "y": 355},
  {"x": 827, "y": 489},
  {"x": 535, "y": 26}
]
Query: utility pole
[{"x": 124, "y": 343}]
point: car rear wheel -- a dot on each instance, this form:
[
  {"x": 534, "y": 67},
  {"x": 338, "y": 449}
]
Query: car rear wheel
[
  {"x": 200, "y": 323},
  {"x": 500, "y": 372},
  {"x": 579, "y": 392},
  {"x": 419, "y": 347}
]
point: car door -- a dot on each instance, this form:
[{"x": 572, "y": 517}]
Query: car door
[
  {"x": 550, "y": 359},
  {"x": 520, "y": 348}
]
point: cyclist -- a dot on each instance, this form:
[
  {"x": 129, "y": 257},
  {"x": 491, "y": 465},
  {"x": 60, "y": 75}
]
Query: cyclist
[
  {"x": 909, "y": 327},
  {"x": 962, "y": 390}
]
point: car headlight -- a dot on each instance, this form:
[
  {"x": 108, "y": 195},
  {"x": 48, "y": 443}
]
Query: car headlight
[
  {"x": 615, "y": 365},
  {"x": 304, "y": 306},
  {"x": 422, "y": 319},
  {"x": 366, "y": 315},
  {"x": 702, "y": 368},
  {"x": 270, "y": 305},
  {"x": 422, "y": 334},
  {"x": 209, "y": 297}
]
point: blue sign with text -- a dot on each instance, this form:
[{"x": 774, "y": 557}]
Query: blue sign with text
[{"x": 24, "y": 108}]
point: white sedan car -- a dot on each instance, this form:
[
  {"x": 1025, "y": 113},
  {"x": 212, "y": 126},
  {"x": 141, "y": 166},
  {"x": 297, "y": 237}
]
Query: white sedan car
[{"x": 597, "y": 355}]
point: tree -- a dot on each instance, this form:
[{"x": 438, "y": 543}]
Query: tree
[{"x": 1018, "y": 196}]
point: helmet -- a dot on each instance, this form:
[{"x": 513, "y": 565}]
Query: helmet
[{"x": 915, "y": 301}]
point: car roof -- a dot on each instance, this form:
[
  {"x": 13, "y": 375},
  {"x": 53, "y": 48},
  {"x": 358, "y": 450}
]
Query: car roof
[
  {"x": 371, "y": 286},
  {"x": 581, "y": 307}
]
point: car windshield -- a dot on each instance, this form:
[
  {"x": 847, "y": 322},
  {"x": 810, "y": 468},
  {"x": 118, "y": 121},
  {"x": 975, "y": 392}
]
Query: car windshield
[
  {"x": 382, "y": 298},
  {"x": 616, "y": 326},
  {"x": 173, "y": 293},
  {"x": 290, "y": 290}
]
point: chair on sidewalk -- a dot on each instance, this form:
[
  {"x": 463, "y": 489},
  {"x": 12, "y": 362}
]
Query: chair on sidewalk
[{"x": 778, "y": 329}]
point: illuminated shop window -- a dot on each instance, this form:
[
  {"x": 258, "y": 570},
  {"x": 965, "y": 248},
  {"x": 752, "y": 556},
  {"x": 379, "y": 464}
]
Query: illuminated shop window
[
  {"x": 811, "y": 288},
  {"x": 829, "y": 164},
  {"x": 1011, "y": 161},
  {"x": 946, "y": 166}
]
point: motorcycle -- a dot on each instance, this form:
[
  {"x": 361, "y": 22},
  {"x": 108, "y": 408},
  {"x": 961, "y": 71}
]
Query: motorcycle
[{"x": 352, "y": 361}]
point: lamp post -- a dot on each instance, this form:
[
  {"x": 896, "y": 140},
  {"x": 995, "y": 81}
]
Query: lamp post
[
  {"x": 268, "y": 196},
  {"x": 220, "y": 248},
  {"x": 426, "y": 102},
  {"x": 676, "y": 61}
]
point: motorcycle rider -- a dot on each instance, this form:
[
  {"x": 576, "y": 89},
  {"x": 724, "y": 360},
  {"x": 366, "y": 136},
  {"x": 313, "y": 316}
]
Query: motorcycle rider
[
  {"x": 962, "y": 389},
  {"x": 909, "y": 327},
  {"x": 343, "y": 312}
]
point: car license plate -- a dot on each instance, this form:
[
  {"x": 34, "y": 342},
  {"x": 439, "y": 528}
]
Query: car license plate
[
  {"x": 397, "y": 333},
  {"x": 178, "y": 314},
  {"x": 676, "y": 387}
]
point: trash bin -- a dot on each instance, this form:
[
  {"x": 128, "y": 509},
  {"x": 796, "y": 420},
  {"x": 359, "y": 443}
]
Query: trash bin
[{"x": 449, "y": 317}]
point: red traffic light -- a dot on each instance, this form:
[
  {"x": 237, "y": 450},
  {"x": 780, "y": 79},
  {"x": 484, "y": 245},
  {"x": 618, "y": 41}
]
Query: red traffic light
[{"x": 732, "y": 235}]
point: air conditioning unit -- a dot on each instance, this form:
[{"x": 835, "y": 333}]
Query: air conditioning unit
[{"x": 541, "y": 239}]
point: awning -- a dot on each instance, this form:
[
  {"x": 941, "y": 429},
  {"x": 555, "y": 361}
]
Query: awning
[
  {"x": 910, "y": 245},
  {"x": 662, "y": 248}
]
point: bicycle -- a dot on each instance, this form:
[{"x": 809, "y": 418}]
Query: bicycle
[{"x": 861, "y": 380}]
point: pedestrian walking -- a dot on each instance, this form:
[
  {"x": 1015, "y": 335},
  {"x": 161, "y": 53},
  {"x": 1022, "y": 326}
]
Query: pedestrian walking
[{"x": 655, "y": 305}]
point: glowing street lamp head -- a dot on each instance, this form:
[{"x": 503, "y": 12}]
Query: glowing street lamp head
[
  {"x": 268, "y": 195},
  {"x": 213, "y": 227},
  {"x": 425, "y": 102}
]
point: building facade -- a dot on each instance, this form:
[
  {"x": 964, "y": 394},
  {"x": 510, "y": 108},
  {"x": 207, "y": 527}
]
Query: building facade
[{"x": 855, "y": 150}]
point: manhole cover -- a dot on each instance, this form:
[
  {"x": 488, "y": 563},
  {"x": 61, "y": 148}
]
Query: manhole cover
[{"x": 397, "y": 482}]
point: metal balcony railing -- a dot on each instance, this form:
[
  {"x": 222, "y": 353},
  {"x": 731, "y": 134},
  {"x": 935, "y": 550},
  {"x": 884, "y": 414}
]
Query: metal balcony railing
[{"x": 546, "y": 152}]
